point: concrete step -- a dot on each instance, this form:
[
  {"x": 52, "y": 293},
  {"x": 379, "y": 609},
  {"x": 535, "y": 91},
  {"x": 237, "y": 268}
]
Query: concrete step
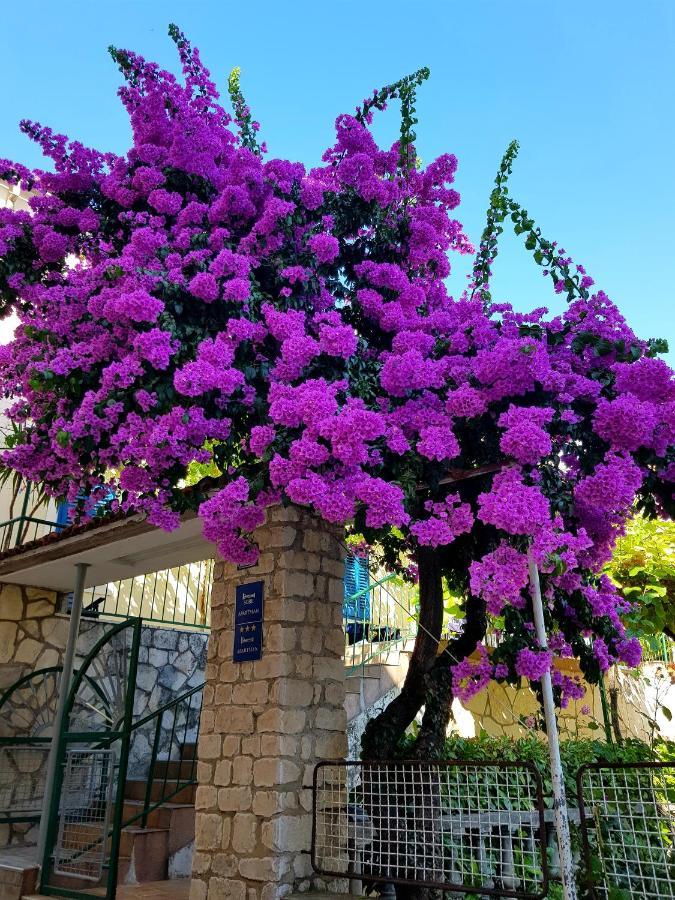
[
  {"x": 18, "y": 872},
  {"x": 365, "y": 686},
  {"x": 178, "y": 818},
  {"x": 144, "y": 855},
  {"x": 135, "y": 789},
  {"x": 184, "y": 769},
  {"x": 188, "y": 751}
]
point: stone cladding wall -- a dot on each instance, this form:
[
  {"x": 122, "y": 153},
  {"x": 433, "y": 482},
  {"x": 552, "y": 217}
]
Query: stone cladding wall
[{"x": 266, "y": 723}]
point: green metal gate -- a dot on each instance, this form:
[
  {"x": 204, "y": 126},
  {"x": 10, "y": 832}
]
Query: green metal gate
[{"x": 85, "y": 819}]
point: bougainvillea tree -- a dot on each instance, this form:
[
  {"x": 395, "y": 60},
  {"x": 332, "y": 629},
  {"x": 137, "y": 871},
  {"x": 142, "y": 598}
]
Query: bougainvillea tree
[{"x": 196, "y": 301}]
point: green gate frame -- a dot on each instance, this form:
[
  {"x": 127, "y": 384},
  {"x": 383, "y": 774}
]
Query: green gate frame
[{"x": 121, "y": 731}]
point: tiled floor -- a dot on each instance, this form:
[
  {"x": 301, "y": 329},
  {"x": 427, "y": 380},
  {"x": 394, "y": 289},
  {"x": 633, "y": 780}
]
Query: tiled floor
[{"x": 156, "y": 890}]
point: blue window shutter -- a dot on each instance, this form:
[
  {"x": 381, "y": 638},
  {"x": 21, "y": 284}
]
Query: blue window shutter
[
  {"x": 357, "y": 578},
  {"x": 63, "y": 514}
]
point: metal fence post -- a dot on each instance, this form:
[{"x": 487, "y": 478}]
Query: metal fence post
[
  {"x": 64, "y": 688},
  {"x": 562, "y": 824}
]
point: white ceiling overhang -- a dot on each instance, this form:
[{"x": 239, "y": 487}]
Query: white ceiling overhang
[{"x": 114, "y": 551}]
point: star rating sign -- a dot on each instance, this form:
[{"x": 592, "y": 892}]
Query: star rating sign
[{"x": 248, "y": 622}]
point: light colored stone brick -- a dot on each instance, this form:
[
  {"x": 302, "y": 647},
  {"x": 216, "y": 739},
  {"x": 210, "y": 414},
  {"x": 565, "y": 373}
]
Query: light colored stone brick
[
  {"x": 234, "y": 720},
  {"x": 285, "y": 721},
  {"x": 198, "y": 890},
  {"x": 311, "y": 639},
  {"x": 210, "y": 746},
  {"x": 271, "y": 772},
  {"x": 206, "y": 797},
  {"x": 250, "y": 746},
  {"x": 225, "y": 864},
  {"x": 282, "y": 536},
  {"x": 229, "y": 671},
  {"x": 223, "y": 773},
  {"x": 11, "y": 602},
  {"x": 269, "y": 803},
  {"x": 336, "y": 590},
  {"x": 273, "y": 665},
  {"x": 27, "y": 651},
  {"x": 334, "y": 567},
  {"x": 8, "y": 632},
  {"x": 303, "y": 666},
  {"x": 328, "y": 669},
  {"x": 334, "y": 641},
  {"x": 288, "y": 833},
  {"x": 331, "y": 720},
  {"x": 231, "y": 745},
  {"x": 244, "y": 833},
  {"x": 207, "y": 721},
  {"x": 234, "y": 799},
  {"x": 201, "y": 863},
  {"x": 266, "y": 868},
  {"x": 279, "y": 891},
  {"x": 319, "y": 613},
  {"x": 208, "y": 831},
  {"x": 226, "y": 889},
  {"x": 39, "y": 609},
  {"x": 284, "y": 514},
  {"x": 278, "y": 745},
  {"x": 280, "y": 639},
  {"x": 335, "y": 694},
  {"x": 267, "y": 712},
  {"x": 242, "y": 768},
  {"x": 227, "y": 833},
  {"x": 311, "y": 540},
  {"x": 223, "y": 694},
  {"x": 204, "y": 772},
  {"x": 291, "y": 692},
  {"x": 331, "y": 745},
  {"x": 298, "y": 584},
  {"x": 250, "y": 693}
]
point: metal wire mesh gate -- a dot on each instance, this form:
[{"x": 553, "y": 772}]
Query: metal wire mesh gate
[
  {"x": 85, "y": 821},
  {"x": 627, "y": 814},
  {"x": 80, "y": 849},
  {"x": 456, "y": 826}
]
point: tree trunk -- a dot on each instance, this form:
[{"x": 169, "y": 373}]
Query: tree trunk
[
  {"x": 614, "y": 709},
  {"x": 431, "y": 739},
  {"x": 384, "y": 732}
]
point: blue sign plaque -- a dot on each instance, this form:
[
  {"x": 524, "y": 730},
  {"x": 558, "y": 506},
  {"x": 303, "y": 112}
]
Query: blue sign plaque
[
  {"x": 248, "y": 603},
  {"x": 247, "y": 642},
  {"x": 248, "y": 618}
]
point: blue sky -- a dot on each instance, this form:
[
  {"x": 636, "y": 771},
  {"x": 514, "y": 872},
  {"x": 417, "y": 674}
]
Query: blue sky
[{"x": 588, "y": 88}]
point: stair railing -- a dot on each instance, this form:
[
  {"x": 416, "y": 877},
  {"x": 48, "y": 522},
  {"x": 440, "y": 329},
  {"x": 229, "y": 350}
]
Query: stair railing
[
  {"x": 184, "y": 712},
  {"x": 375, "y": 620}
]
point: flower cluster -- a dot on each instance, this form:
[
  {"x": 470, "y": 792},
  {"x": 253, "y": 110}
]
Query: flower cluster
[{"x": 194, "y": 302}]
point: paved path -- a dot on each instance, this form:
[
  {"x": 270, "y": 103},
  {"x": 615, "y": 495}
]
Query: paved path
[{"x": 179, "y": 889}]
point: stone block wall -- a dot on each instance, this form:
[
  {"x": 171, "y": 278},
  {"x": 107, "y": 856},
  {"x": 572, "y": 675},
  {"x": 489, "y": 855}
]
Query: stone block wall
[
  {"x": 30, "y": 635},
  {"x": 33, "y": 636},
  {"x": 266, "y": 723}
]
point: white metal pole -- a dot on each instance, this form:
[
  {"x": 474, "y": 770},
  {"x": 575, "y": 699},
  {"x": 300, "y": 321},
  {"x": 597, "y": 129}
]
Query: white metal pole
[
  {"x": 64, "y": 688},
  {"x": 562, "y": 825}
]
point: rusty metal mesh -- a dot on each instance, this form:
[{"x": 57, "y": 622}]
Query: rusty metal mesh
[
  {"x": 628, "y": 829},
  {"x": 456, "y": 826}
]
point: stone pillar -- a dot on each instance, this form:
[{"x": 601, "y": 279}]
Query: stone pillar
[{"x": 264, "y": 724}]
